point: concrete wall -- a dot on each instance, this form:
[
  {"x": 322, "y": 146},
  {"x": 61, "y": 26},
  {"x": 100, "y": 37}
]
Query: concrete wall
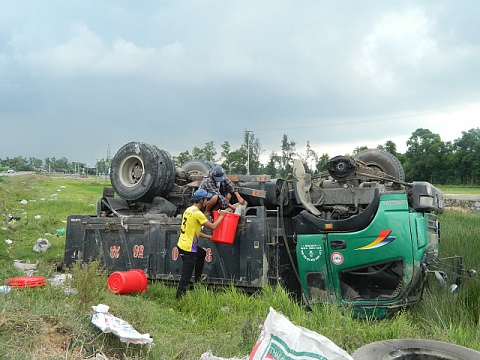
[{"x": 467, "y": 202}]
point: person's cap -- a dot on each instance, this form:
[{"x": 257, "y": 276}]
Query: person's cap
[
  {"x": 219, "y": 173},
  {"x": 201, "y": 194}
]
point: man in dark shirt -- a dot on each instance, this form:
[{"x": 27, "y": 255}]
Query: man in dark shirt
[{"x": 222, "y": 188}]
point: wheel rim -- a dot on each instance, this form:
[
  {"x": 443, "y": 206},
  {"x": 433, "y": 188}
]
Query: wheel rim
[
  {"x": 131, "y": 171},
  {"x": 420, "y": 354}
]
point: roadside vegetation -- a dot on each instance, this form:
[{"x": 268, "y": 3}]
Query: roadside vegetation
[
  {"x": 53, "y": 322},
  {"x": 427, "y": 157}
]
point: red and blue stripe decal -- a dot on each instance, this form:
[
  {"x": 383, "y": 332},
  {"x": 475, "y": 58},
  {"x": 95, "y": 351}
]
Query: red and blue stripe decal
[{"x": 383, "y": 239}]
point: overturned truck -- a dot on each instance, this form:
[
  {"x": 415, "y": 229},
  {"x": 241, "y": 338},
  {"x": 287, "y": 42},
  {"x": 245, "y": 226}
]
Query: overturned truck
[{"x": 356, "y": 234}]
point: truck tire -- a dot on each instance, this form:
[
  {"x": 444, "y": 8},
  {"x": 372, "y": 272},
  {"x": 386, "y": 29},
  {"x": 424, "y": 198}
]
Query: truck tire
[
  {"x": 140, "y": 172},
  {"x": 411, "y": 349},
  {"x": 383, "y": 161},
  {"x": 196, "y": 168}
]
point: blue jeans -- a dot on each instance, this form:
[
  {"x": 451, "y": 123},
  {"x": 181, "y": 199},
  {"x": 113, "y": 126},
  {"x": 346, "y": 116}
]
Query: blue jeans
[{"x": 190, "y": 261}]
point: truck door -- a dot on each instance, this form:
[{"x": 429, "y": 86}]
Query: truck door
[{"x": 312, "y": 256}]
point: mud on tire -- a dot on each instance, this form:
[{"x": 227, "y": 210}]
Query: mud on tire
[
  {"x": 196, "y": 168},
  {"x": 140, "y": 171},
  {"x": 383, "y": 161}
]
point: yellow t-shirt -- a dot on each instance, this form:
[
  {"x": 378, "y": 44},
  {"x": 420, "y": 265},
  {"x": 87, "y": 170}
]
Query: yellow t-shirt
[{"x": 192, "y": 221}]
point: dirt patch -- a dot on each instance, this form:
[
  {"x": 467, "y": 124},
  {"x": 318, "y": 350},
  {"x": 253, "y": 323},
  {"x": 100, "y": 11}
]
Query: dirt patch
[
  {"x": 52, "y": 345},
  {"x": 55, "y": 343}
]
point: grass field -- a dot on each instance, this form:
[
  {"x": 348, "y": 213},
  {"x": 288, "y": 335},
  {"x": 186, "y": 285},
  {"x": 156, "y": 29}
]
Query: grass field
[
  {"x": 466, "y": 190},
  {"x": 49, "y": 323}
]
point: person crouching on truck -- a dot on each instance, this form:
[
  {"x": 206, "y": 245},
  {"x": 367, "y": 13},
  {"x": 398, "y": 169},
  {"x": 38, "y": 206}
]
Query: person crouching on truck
[
  {"x": 216, "y": 182},
  {"x": 192, "y": 255}
]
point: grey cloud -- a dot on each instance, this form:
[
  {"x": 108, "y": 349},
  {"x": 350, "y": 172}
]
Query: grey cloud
[{"x": 179, "y": 74}]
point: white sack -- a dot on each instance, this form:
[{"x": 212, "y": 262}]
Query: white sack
[
  {"x": 280, "y": 339},
  {"x": 111, "y": 324}
]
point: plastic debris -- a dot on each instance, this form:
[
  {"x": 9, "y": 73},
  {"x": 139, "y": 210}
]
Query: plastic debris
[
  {"x": 25, "y": 267},
  {"x": 5, "y": 289},
  {"x": 61, "y": 231},
  {"x": 38, "y": 216},
  {"x": 122, "y": 329},
  {"x": 41, "y": 245},
  {"x": 70, "y": 291},
  {"x": 240, "y": 209},
  {"x": 24, "y": 202},
  {"x": 59, "y": 279},
  {"x": 8, "y": 241},
  {"x": 209, "y": 356}
]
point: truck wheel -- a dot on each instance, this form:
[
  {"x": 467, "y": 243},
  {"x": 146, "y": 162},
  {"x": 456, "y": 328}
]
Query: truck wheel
[
  {"x": 196, "y": 168},
  {"x": 383, "y": 161},
  {"x": 140, "y": 171},
  {"x": 410, "y": 349}
]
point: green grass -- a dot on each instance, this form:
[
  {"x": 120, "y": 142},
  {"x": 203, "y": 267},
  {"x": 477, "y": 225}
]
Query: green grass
[
  {"x": 465, "y": 190},
  {"x": 47, "y": 323}
]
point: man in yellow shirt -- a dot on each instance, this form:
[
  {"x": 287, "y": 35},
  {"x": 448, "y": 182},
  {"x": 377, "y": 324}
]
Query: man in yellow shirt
[{"x": 192, "y": 255}]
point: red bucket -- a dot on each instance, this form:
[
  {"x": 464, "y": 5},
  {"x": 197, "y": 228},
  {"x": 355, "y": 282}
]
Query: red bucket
[
  {"x": 225, "y": 232},
  {"x": 127, "y": 282}
]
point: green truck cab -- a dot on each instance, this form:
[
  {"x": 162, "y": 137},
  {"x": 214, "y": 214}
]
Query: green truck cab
[{"x": 377, "y": 268}]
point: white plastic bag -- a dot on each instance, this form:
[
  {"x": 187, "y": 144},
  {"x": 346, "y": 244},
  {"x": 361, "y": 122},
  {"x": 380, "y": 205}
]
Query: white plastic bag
[
  {"x": 280, "y": 339},
  {"x": 41, "y": 245},
  {"x": 240, "y": 209},
  {"x": 111, "y": 324}
]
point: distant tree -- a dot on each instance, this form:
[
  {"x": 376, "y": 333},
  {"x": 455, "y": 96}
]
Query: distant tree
[
  {"x": 322, "y": 163},
  {"x": 391, "y": 147},
  {"x": 253, "y": 148},
  {"x": 225, "y": 150},
  {"x": 273, "y": 165},
  {"x": 61, "y": 165},
  {"x": 425, "y": 158},
  {"x": 182, "y": 158},
  {"x": 288, "y": 154},
  {"x": 19, "y": 163},
  {"x": 359, "y": 148},
  {"x": 48, "y": 164},
  {"x": 309, "y": 159},
  {"x": 236, "y": 162},
  {"x": 35, "y": 163},
  {"x": 102, "y": 166},
  {"x": 466, "y": 156},
  {"x": 207, "y": 153}
]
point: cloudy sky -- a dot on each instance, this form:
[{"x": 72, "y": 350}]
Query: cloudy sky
[{"x": 80, "y": 77}]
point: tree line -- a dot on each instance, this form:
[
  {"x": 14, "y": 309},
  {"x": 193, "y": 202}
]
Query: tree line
[
  {"x": 54, "y": 165},
  {"x": 427, "y": 158}
]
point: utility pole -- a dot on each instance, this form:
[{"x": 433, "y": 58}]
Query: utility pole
[{"x": 248, "y": 150}]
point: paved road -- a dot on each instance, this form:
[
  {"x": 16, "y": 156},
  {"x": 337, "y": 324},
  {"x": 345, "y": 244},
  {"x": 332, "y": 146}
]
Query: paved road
[{"x": 16, "y": 173}]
